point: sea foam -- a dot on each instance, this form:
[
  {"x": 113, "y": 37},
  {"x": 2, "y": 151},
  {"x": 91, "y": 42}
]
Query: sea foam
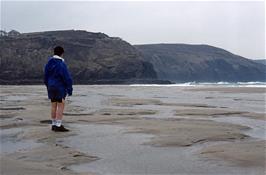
[{"x": 227, "y": 84}]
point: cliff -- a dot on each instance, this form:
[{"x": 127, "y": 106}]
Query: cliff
[
  {"x": 201, "y": 63},
  {"x": 91, "y": 57},
  {"x": 96, "y": 58}
]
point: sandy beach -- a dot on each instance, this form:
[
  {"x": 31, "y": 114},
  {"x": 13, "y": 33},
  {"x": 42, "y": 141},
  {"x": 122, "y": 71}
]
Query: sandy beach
[{"x": 135, "y": 130}]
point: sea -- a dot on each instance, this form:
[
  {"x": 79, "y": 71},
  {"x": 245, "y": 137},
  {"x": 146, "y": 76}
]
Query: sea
[{"x": 221, "y": 84}]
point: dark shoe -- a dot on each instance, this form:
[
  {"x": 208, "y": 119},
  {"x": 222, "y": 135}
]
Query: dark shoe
[
  {"x": 53, "y": 127},
  {"x": 60, "y": 129}
]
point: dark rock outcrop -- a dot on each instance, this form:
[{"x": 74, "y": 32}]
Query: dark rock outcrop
[
  {"x": 91, "y": 57},
  {"x": 200, "y": 63}
]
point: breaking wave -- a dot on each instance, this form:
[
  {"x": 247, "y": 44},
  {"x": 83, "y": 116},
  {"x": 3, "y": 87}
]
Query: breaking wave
[{"x": 227, "y": 84}]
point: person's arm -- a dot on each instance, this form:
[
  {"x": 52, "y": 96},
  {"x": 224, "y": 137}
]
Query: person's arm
[
  {"x": 45, "y": 79},
  {"x": 67, "y": 79}
]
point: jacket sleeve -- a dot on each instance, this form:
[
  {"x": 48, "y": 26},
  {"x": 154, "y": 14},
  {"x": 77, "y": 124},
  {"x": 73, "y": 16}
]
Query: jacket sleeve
[
  {"x": 45, "y": 78},
  {"x": 67, "y": 79}
]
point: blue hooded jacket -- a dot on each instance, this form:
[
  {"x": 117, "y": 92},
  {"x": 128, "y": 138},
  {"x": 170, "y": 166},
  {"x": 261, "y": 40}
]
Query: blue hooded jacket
[{"x": 57, "y": 77}]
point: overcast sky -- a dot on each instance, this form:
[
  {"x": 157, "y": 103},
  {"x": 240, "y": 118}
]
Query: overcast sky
[{"x": 238, "y": 27}]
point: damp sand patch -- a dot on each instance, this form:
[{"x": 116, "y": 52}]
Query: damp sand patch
[
  {"x": 214, "y": 113},
  {"x": 12, "y": 141},
  {"x": 109, "y": 116},
  {"x": 11, "y": 108},
  {"x": 169, "y": 131},
  {"x": 132, "y": 112},
  {"x": 206, "y": 112},
  {"x": 229, "y": 89},
  {"x": 255, "y": 115},
  {"x": 77, "y": 114},
  {"x": 123, "y": 152},
  {"x": 184, "y": 132},
  {"x": 48, "y": 159},
  {"x": 7, "y": 115},
  {"x": 17, "y": 122},
  {"x": 245, "y": 154},
  {"x": 120, "y": 153},
  {"x": 257, "y": 127},
  {"x": 130, "y": 102}
]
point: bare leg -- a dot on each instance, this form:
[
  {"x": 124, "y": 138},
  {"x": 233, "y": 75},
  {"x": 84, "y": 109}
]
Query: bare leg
[
  {"x": 60, "y": 110},
  {"x": 59, "y": 116},
  {"x": 53, "y": 110}
]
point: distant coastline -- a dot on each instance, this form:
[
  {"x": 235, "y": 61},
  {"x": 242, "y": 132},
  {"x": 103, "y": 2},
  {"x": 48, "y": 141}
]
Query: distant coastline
[
  {"x": 96, "y": 58},
  {"x": 160, "y": 84}
]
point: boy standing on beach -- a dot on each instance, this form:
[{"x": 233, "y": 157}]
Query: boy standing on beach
[{"x": 59, "y": 83}]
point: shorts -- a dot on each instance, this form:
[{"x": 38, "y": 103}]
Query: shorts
[
  {"x": 57, "y": 100},
  {"x": 56, "y": 94}
]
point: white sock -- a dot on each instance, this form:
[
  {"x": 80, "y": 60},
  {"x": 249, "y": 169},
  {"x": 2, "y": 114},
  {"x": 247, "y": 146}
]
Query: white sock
[
  {"x": 53, "y": 122},
  {"x": 58, "y": 123}
]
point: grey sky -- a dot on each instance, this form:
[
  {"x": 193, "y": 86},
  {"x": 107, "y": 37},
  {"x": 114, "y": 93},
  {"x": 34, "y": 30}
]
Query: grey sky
[{"x": 238, "y": 27}]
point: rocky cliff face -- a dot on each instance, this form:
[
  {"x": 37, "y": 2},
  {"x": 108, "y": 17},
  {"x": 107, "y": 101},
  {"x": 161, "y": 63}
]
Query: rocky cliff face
[
  {"x": 98, "y": 58},
  {"x": 262, "y": 61},
  {"x": 91, "y": 57},
  {"x": 202, "y": 63}
]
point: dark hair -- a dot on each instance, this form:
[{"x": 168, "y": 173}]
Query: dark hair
[{"x": 58, "y": 50}]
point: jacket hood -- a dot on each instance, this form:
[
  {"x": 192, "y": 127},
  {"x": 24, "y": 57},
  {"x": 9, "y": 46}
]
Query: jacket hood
[
  {"x": 58, "y": 57},
  {"x": 53, "y": 63}
]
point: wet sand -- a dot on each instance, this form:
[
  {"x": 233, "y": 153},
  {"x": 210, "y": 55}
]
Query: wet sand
[
  {"x": 193, "y": 122},
  {"x": 246, "y": 154}
]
